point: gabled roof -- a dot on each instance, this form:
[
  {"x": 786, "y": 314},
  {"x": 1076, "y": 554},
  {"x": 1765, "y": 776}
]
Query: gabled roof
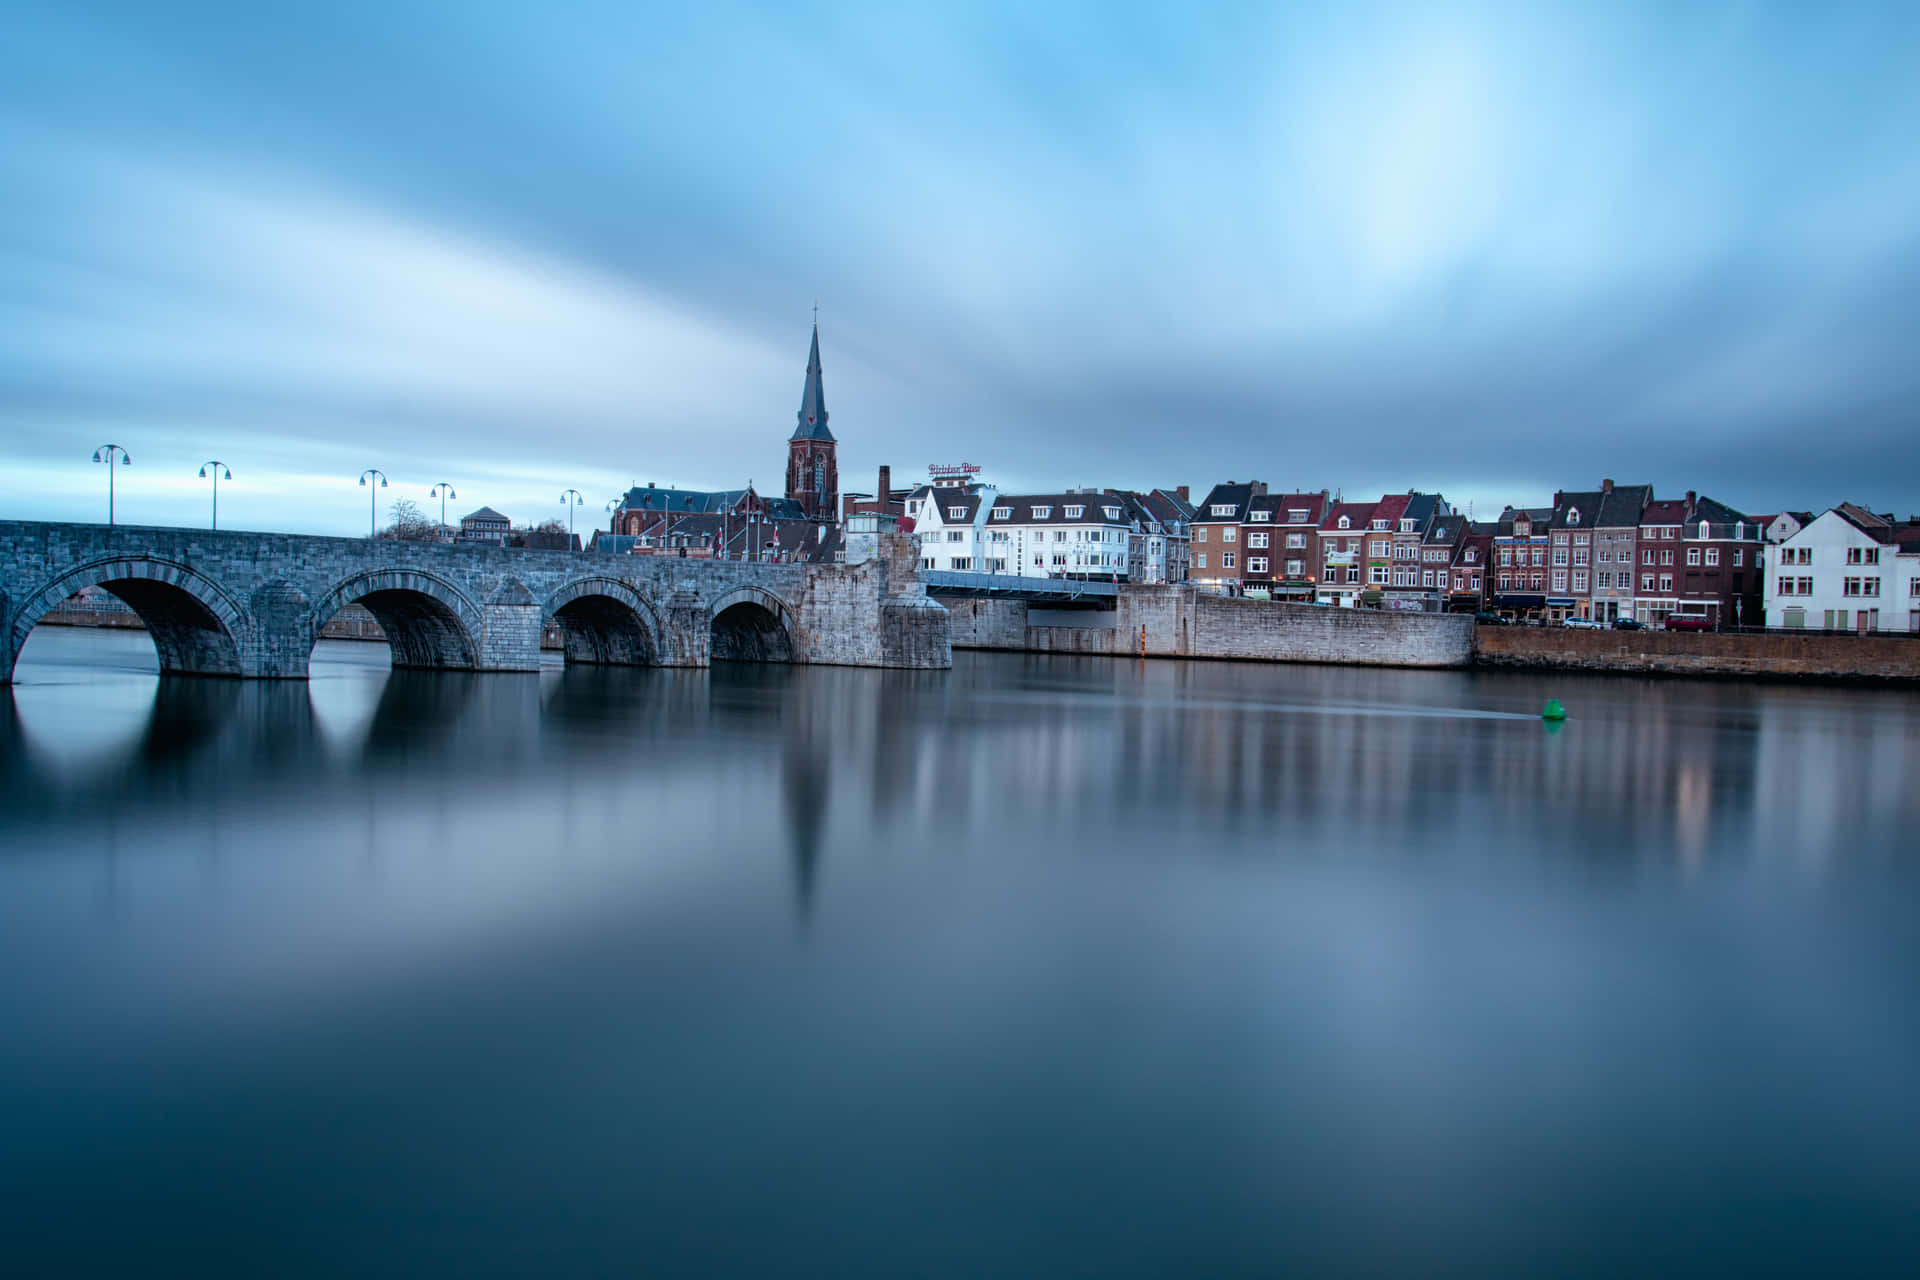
[
  {"x": 1235, "y": 495},
  {"x": 1020, "y": 508},
  {"x": 1446, "y": 530},
  {"x": 812, "y": 417},
  {"x": 1314, "y": 504},
  {"x": 1422, "y": 507},
  {"x": 484, "y": 513},
  {"x": 1716, "y": 512},
  {"x": 1538, "y": 516},
  {"x": 1621, "y": 508},
  {"x": 947, "y": 498},
  {"x": 1391, "y": 507},
  {"x": 1665, "y": 511},
  {"x": 1587, "y": 503},
  {"x": 682, "y": 501},
  {"x": 1359, "y": 513},
  {"x": 1169, "y": 505}
]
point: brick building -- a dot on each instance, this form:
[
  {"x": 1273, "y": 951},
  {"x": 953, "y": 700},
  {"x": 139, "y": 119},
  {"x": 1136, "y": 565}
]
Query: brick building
[{"x": 1217, "y": 550}]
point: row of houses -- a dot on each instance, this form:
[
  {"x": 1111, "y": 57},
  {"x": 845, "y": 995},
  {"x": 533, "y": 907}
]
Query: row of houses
[
  {"x": 966, "y": 525},
  {"x": 1599, "y": 554},
  {"x": 1847, "y": 569}
]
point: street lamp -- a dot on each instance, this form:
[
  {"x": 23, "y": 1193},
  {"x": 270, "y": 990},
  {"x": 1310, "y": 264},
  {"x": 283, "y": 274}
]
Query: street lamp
[
  {"x": 105, "y": 454},
  {"x": 445, "y": 491},
  {"x": 373, "y": 498},
  {"x": 216, "y": 471},
  {"x": 575, "y": 501}
]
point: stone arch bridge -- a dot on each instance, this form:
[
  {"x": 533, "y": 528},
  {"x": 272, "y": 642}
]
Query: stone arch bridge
[{"x": 252, "y": 604}]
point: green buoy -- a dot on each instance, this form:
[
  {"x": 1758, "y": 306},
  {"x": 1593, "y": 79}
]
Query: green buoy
[{"x": 1553, "y": 710}]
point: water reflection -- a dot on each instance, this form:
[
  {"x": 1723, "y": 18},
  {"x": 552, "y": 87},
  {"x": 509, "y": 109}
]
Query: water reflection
[{"x": 1054, "y": 964}]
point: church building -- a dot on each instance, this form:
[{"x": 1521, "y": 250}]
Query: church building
[{"x": 813, "y": 474}]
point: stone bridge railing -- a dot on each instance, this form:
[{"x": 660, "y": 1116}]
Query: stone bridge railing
[{"x": 252, "y": 604}]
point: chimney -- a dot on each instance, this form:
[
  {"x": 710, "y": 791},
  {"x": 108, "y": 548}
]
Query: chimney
[
  {"x": 1183, "y": 492},
  {"x": 886, "y": 485},
  {"x": 1259, "y": 488},
  {"x": 1606, "y": 486},
  {"x": 649, "y": 484},
  {"x": 1691, "y": 496}
]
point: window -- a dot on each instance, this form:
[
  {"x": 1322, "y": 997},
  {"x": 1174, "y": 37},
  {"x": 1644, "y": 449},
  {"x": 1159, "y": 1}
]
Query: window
[
  {"x": 1199, "y": 533},
  {"x": 1536, "y": 582},
  {"x": 1713, "y": 555},
  {"x": 1693, "y": 556},
  {"x": 1603, "y": 579},
  {"x": 1378, "y": 549},
  {"x": 963, "y": 564},
  {"x": 1229, "y": 533},
  {"x": 996, "y": 566},
  {"x": 1073, "y": 513},
  {"x": 1377, "y": 575},
  {"x": 1353, "y": 574},
  {"x": 1913, "y": 587},
  {"x": 1573, "y": 515},
  {"x": 1666, "y": 557},
  {"x": 1200, "y": 560},
  {"x": 1042, "y": 513},
  {"x": 1666, "y": 583},
  {"x": 1295, "y": 541},
  {"x": 1560, "y": 582},
  {"x": 1580, "y": 555},
  {"x": 1296, "y": 567},
  {"x": 1646, "y": 582},
  {"x": 957, "y": 513},
  {"x": 1538, "y": 555},
  {"x": 1003, "y": 513},
  {"x": 1784, "y": 587},
  {"x": 1506, "y": 581},
  {"x": 1059, "y": 535},
  {"x": 1560, "y": 558},
  {"x": 1406, "y": 526},
  {"x": 1646, "y": 557},
  {"x": 1582, "y": 539},
  {"x": 1259, "y": 516},
  {"x": 927, "y": 563},
  {"x": 1257, "y": 539},
  {"x": 1112, "y": 513},
  {"x": 1806, "y": 587},
  {"x": 1506, "y": 555},
  {"x": 1740, "y": 557},
  {"x": 1382, "y": 525},
  {"x": 1863, "y": 555},
  {"x": 1426, "y": 577},
  {"x": 1860, "y": 587},
  {"x": 1579, "y": 581},
  {"x": 1296, "y": 517},
  {"x": 1226, "y": 559},
  {"x": 956, "y": 535},
  {"x": 1256, "y": 564},
  {"x": 1344, "y": 523},
  {"x": 1224, "y": 510}
]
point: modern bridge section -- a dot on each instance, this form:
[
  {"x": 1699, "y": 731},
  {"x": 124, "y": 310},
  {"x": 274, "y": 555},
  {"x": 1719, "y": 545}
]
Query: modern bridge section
[
  {"x": 1011, "y": 586},
  {"x": 252, "y": 604}
]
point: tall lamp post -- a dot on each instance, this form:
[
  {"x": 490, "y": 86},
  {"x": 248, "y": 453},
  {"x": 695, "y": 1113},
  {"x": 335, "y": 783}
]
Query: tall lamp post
[
  {"x": 373, "y": 497},
  {"x": 445, "y": 491},
  {"x": 105, "y": 454},
  {"x": 570, "y": 500},
  {"x": 216, "y": 471}
]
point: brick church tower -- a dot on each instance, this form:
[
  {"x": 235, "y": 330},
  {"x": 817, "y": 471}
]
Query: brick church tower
[{"x": 813, "y": 475}]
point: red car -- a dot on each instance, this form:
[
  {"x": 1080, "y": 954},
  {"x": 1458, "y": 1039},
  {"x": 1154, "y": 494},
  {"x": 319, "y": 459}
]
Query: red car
[{"x": 1689, "y": 622}]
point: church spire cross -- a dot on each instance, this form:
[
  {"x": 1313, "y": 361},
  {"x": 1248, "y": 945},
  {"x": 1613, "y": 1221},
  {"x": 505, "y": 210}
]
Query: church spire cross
[{"x": 813, "y": 398}]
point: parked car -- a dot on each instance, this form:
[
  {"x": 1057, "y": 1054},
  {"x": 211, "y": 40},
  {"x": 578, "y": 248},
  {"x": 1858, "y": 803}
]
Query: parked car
[
  {"x": 1629, "y": 624},
  {"x": 1689, "y": 622},
  {"x": 1581, "y": 624},
  {"x": 1489, "y": 619}
]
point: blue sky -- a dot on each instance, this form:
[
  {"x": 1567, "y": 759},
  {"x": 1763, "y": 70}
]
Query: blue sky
[{"x": 1489, "y": 249}]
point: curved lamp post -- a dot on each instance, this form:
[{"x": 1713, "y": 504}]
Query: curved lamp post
[
  {"x": 105, "y": 454},
  {"x": 373, "y": 497},
  {"x": 445, "y": 491},
  {"x": 216, "y": 471},
  {"x": 571, "y": 499}
]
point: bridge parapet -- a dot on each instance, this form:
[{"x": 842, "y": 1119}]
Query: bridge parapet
[{"x": 252, "y": 604}]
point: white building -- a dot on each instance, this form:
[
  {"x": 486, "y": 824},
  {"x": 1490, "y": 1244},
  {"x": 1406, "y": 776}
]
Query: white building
[
  {"x": 1083, "y": 533},
  {"x": 1847, "y": 570},
  {"x": 950, "y": 518}
]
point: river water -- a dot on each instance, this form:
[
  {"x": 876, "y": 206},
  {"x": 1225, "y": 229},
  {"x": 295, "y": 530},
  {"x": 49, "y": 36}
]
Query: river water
[{"x": 1041, "y": 965}]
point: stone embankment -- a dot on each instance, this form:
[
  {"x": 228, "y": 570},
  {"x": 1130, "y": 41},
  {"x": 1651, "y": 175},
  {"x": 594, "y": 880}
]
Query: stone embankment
[
  {"x": 1180, "y": 622},
  {"x": 1771, "y": 656}
]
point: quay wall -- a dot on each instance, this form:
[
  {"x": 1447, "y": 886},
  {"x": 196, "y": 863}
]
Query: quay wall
[
  {"x": 1180, "y": 622},
  {"x": 1703, "y": 653}
]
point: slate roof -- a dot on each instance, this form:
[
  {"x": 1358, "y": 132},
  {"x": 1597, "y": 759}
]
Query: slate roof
[
  {"x": 1390, "y": 508},
  {"x": 1716, "y": 512},
  {"x": 1170, "y": 506},
  {"x": 1235, "y": 495},
  {"x": 1621, "y": 508},
  {"x": 951, "y": 496},
  {"x": 485, "y": 513},
  {"x": 696, "y": 501},
  {"x": 1359, "y": 513},
  {"x": 1666, "y": 511},
  {"x": 1020, "y": 508},
  {"x": 812, "y": 424},
  {"x": 1586, "y": 502},
  {"x": 1446, "y": 530},
  {"x": 1503, "y": 527}
]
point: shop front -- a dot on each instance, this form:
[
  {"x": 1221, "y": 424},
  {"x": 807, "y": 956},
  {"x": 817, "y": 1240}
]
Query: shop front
[{"x": 1519, "y": 606}]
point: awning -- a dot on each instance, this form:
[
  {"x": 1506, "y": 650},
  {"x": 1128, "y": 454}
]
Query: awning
[
  {"x": 1519, "y": 602},
  {"x": 1561, "y": 602}
]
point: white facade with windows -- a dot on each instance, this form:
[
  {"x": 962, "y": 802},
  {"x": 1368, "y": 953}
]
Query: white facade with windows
[
  {"x": 1070, "y": 535},
  {"x": 1846, "y": 570},
  {"x": 950, "y": 522}
]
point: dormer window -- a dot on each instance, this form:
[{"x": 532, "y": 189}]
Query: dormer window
[
  {"x": 1295, "y": 516},
  {"x": 1041, "y": 513},
  {"x": 1223, "y": 510},
  {"x": 1406, "y": 526},
  {"x": 1703, "y": 528},
  {"x": 1345, "y": 523},
  {"x": 1073, "y": 513},
  {"x": 1262, "y": 515},
  {"x": 1382, "y": 525},
  {"x": 1573, "y": 515},
  {"x": 956, "y": 513},
  {"x": 1112, "y": 513},
  {"x": 1003, "y": 513}
]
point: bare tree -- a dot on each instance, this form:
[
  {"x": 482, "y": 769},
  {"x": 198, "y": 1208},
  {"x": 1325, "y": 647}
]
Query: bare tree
[
  {"x": 410, "y": 524},
  {"x": 551, "y": 526}
]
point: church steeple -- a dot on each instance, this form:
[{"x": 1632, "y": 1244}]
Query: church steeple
[
  {"x": 813, "y": 473},
  {"x": 813, "y": 399}
]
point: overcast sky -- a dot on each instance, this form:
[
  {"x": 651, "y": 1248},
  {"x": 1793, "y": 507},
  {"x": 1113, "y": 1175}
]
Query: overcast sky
[{"x": 1488, "y": 249}]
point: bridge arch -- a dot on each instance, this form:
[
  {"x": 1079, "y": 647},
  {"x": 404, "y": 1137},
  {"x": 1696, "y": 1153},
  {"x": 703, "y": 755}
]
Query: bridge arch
[
  {"x": 428, "y": 621},
  {"x": 751, "y": 624},
  {"x": 198, "y": 629},
  {"x": 605, "y": 622}
]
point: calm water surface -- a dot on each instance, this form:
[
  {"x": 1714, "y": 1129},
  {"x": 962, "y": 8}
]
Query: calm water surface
[{"x": 1038, "y": 966}]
